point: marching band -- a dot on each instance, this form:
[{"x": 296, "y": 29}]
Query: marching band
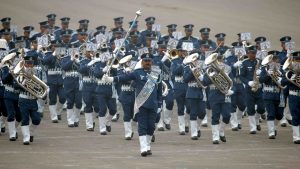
[{"x": 147, "y": 73}]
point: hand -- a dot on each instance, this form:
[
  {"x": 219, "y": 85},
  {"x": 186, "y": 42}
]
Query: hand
[
  {"x": 39, "y": 48},
  {"x": 279, "y": 80},
  {"x": 229, "y": 92},
  {"x": 158, "y": 110},
  {"x": 258, "y": 71},
  {"x": 77, "y": 60},
  {"x": 128, "y": 69},
  {"x": 270, "y": 72},
  {"x": 237, "y": 64},
  {"x": 201, "y": 77},
  {"x": 166, "y": 56},
  {"x": 91, "y": 63},
  {"x": 105, "y": 69},
  {"x": 251, "y": 83},
  {"x": 211, "y": 73},
  {"x": 106, "y": 78}
]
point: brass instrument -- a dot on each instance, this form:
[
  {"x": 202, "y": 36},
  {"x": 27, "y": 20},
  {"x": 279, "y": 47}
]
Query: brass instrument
[
  {"x": 217, "y": 75},
  {"x": 165, "y": 89},
  {"x": 28, "y": 81},
  {"x": 10, "y": 60},
  {"x": 276, "y": 73},
  {"x": 291, "y": 75},
  {"x": 256, "y": 78},
  {"x": 196, "y": 69}
]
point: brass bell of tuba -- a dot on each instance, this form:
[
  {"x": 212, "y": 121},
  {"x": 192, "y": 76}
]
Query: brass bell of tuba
[
  {"x": 29, "y": 82},
  {"x": 276, "y": 73},
  {"x": 217, "y": 75},
  {"x": 291, "y": 75}
]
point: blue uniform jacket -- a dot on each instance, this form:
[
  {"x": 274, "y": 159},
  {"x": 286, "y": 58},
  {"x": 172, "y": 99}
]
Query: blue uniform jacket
[
  {"x": 177, "y": 72},
  {"x": 126, "y": 96},
  {"x": 270, "y": 90},
  {"x": 87, "y": 72},
  {"x": 53, "y": 66},
  {"x": 193, "y": 92},
  {"x": 103, "y": 88}
]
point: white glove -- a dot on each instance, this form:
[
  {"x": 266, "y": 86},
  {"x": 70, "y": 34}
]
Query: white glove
[
  {"x": 211, "y": 73},
  {"x": 229, "y": 92},
  {"x": 158, "y": 110},
  {"x": 106, "y": 78},
  {"x": 77, "y": 60},
  {"x": 166, "y": 56},
  {"x": 251, "y": 83},
  {"x": 279, "y": 80},
  {"x": 237, "y": 64},
  {"x": 258, "y": 71},
  {"x": 128, "y": 69},
  {"x": 91, "y": 63},
  {"x": 39, "y": 48},
  {"x": 165, "y": 93},
  {"x": 201, "y": 77},
  {"x": 270, "y": 72},
  {"x": 105, "y": 69}
]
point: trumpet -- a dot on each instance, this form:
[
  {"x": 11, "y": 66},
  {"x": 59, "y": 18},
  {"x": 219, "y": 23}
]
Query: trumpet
[{"x": 217, "y": 75}]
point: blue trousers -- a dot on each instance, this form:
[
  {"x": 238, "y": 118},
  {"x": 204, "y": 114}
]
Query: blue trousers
[
  {"x": 238, "y": 98},
  {"x": 197, "y": 109},
  {"x": 146, "y": 121},
  {"x": 294, "y": 105},
  {"x": 28, "y": 110},
  {"x": 13, "y": 111},
  {"x": 128, "y": 109},
  {"x": 169, "y": 100},
  {"x": 273, "y": 110},
  {"x": 106, "y": 102},
  {"x": 179, "y": 96},
  {"x": 91, "y": 102},
  {"x": 219, "y": 109},
  {"x": 72, "y": 93},
  {"x": 253, "y": 99},
  {"x": 56, "y": 90}
]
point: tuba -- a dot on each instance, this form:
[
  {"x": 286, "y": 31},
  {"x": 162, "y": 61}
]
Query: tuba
[
  {"x": 28, "y": 81},
  {"x": 196, "y": 69},
  {"x": 276, "y": 73},
  {"x": 217, "y": 75},
  {"x": 291, "y": 75}
]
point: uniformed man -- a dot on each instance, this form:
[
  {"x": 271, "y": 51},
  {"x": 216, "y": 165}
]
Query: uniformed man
[
  {"x": 250, "y": 70},
  {"x": 149, "y": 22},
  {"x": 283, "y": 53},
  {"x": 205, "y": 37},
  {"x": 294, "y": 95},
  {"x": 258, "y": 41},
  {"x": 134, "y": 26},
  {"x": 64, "y": 26},
  {"x": 51, "y": 23},
  {"x": 238, "y": 97},
  {"x": 83, "y": 25},
  {"x": 188, "y": 29},
  {"x": 171, "y": 29},
  {"x": 28, "y": 104},
  {"x": 118, "y": 22},
  {"x": 272, "y": 91},
  {"x": 6, "y": 25},
  {"x": 43, "y": 30},
  {"x": 134, "y": 44},
  {"x": 11, "y": 97},
  {"x": 7, "y": 35},
  {"x": 81, "y": 38},
  {"x": 220, "y": 103},
  {"x": 221, "y": 43},
  {"x": 147, "y": 104},
  {"x": 27, "y": 31}
]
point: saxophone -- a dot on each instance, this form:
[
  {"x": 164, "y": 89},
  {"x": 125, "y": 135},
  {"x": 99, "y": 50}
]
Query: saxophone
[{"x": 256, "y": 78}]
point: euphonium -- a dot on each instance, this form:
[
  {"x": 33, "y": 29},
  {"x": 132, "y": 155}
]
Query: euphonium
[
  {"x": 291, "y": 75},
  {"x": 196, "y": 69},
  {"x": 276, "y": 73},
  {"x": 29, "y": 82},
  {"x": 217, "y": 75}
]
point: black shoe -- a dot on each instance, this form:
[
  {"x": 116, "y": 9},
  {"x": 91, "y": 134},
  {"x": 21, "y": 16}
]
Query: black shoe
[
  {"x": 216, "y": 142},
  {"x": 204, "y": 125},
  {"x": 31, "y": 139},
  {"x": 223, "y": 138},
  {"x": 283, "y": 125},
  {"x": 144, "y": 154},
  {"x": 168, "y": 126},
  {"x": 194, "y": 138},
  {"x": 41, "y": 115},
  {"x": 17, "y": 135},
  {"x": 198, "y": 133},
  {"x": 258, "y": 128},
  {"x": 240, "y": 126},
  {"x": 153, "y": 138},
  {"x": 26, "y": 143},
  {"x": 149, "y": 152},
  {"x": 252, "y": 132},
  {"x": 263, "y": 116},
  {"x": 81, "y": 113},
  {"x": 235, "y": 129},
  {"x": 297, "y": 142},
  {"x": 275, "y": 132},
  {"x": 76, "y": 124},
  {"x": 117, "y": 118},
  {"x": 108, "y": 128},
  {"x": 54, "y": 121},
  {"x": 90, "y": 129},
  {"x": 59, "y": 117},
  {"x": 182, "y": 133},
  {"x": 161, "y": 129},
  {"x": 103, "y": 133},
  {"x": 71, "y": 125},
  {"x": 272, "y": 137},
  {"x": 289, "y": 121},
  {"x": 94, "y": 124},
  {"x": 186, "y": 129},
  {"x": 12, "y": 139},
  {"x": 3, "y": 130}
]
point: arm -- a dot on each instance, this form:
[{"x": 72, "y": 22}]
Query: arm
[
  {"x": 159, "y": 94},
  {"x": 48, "y": 59},
  {"x": 264, "y": 77},
  {"x": 187, "y": 74},
  {"x": 243, "y": 74},
  {"x": 66, "y": 64}
]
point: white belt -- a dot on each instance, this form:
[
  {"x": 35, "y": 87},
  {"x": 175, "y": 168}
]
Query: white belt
[
  {"x": 54, "y": 72},
  {"x": 193, "y": 84},
  {"x": 26, "y": 96},
  {"x": 213, "y": 87},
  {"x": 294, "y": 92},
  {"x": 72, "y": 74},
  {"x": 10, "y": 89},
  {"x": 127, "y": 88},
  {"x": 271, "y": 89},
  {"x": 179, "y": 79},
  {"x": 237, "y": 80},
  {"x": 38, "y": 68},
  {"x": 87, "y": 80},
  {"x": 101, "y": 82}
]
